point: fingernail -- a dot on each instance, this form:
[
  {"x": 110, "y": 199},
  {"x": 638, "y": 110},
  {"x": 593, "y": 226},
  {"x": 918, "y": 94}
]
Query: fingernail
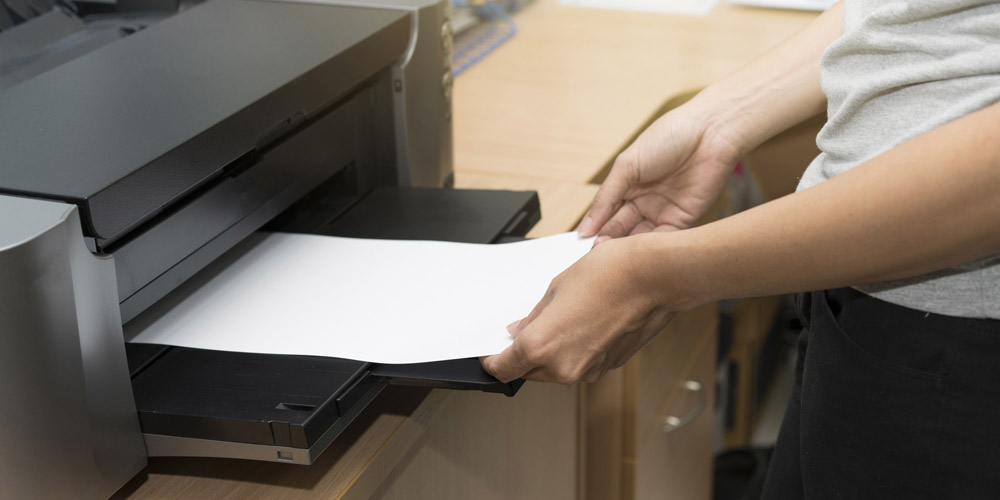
[
  {"x": 601, "y": 239},
  {"x": 585, "y": 227}
]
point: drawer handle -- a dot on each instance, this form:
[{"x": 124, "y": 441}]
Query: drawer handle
[{"x": 672, "y": 423}]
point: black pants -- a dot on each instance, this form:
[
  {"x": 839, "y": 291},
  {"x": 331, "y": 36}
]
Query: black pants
[{"x": 889, "y": 403}]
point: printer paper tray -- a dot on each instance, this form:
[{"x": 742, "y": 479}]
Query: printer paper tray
[{"x": 194, "y": 402}]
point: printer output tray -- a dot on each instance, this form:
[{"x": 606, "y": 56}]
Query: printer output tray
[{"x": 194, "y": 402}]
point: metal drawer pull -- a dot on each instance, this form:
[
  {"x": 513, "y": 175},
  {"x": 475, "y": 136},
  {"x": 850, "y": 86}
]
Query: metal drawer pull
[{"x": 672, "y": 423}]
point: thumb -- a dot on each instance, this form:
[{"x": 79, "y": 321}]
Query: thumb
[
  {"x": 515, "y": 328},
  {"x": 609, "y": 197},
  {"x": 510, "y": 364}
]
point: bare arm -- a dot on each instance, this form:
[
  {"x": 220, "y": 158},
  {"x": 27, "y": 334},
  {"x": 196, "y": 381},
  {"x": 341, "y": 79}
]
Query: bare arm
[
  {"x": 777, "y": 90},
  {"x": 928, "y": 204},
  {"x": 676, "y": 168}
]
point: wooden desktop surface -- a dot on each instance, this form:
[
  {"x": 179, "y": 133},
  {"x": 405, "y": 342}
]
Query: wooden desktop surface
[
  {"x": 564, "y": 94},
  {"x": 544, "y": 112}
]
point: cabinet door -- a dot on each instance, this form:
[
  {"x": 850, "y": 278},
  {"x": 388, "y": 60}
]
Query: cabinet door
[
  {"x": 625, "y": 409},
  {"x": 675, "y": 462},
  {"x": 656, "y": 374},
  {"x": 493, "y": 448}
]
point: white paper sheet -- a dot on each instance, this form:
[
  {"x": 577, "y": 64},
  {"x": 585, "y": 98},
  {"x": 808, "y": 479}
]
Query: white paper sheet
[
  {"x": 382, "y": 301},
  {"x": 682, "y": 7}
]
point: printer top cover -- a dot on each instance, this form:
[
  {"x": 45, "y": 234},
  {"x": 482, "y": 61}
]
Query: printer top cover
[{"x": 125, "y": 131}]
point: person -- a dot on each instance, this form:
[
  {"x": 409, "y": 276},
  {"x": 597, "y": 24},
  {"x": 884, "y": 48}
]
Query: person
[{"x": 897, "y": 390}]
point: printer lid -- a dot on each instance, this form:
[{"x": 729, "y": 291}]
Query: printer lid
[{"x": 127, "y": 130}]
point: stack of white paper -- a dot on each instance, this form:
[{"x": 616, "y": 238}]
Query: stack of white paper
[{"x": 372, "y": 300}]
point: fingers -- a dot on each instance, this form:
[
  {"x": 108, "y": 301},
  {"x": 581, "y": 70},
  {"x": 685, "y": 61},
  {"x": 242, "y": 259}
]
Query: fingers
[
  {"x": 520, "y": 325},
  {"x": 514, "y": 362},
  {"x": 511, "y": 364},
  {"x": 531, "y": 355},
  {"x": 643, "y": 227},
  {"x": 622, "y": 223},
  {"x": 570, "y": 339},
  {"x": 667, "y": 228},
  {"x": 609, "y": 197},
  {"x": 561, "y": 366}
]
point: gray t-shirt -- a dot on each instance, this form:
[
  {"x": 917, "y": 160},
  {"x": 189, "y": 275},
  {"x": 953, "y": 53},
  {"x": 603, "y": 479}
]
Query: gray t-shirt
[{"x": 900, "y": 69}]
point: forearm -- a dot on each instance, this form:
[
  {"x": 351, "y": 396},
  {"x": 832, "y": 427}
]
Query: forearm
[
  {"x": 742, "y": 106},
  {"x": 927, "y": 204}
]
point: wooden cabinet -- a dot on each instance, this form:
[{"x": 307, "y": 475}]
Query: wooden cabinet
[
  {"x": 675, "y": 461},
  {"x": 628, "y": 453},
  {"x": 486, "y": 446}
]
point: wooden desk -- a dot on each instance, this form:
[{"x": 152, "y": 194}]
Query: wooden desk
[
  {"x": 561, "y": 97},
  {"x": 544, "y": 112}
]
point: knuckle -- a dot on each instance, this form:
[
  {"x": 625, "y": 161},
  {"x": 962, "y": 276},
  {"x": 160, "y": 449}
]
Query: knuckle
[
  {"x": 596, "y": 368},
  {"x": 625, "y": 160},
  {"x": 571, "y": 375},
  {"x": 489, "y": 366},
  {"x": 565, "y": 379},
  {"x": 631, "y": 207},
  {"x": 533, "y": 351},
  {"x": 495, "y": 368},
  {"x": 600, "y": 196}
]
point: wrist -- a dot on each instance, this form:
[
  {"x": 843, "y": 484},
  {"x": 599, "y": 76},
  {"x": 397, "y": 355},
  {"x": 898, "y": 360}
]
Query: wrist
[
  {"x": 724, "y": 123},
  {"x": 666, "y": 269},
  {"x": 746, "y": 111}
]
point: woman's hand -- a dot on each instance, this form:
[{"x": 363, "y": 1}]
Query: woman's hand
[
  {"x": 594, "y": 317},
  {"x": 602, "y": 309},
  {"x": 673, "y": 172},
  {"x": 845, "y": 231},
  {"x": 666, "y": 179}
]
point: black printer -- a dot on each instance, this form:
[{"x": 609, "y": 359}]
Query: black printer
[{"x": 142, "y": 141}]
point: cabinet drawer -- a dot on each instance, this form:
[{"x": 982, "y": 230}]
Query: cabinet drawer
[
  {"x": 678, "y": 464},
  {"x": 654, "y": 375},
  {"x": 621, "y": 409}
]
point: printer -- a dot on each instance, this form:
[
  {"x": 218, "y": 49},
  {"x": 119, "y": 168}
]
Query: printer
[{"x": 140, "y": 142}]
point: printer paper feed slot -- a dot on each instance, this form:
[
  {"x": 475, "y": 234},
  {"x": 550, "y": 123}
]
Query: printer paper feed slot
[
  {"x": 171, "y": 384},
  {"x": 373, "y": 300},
  {"x": 246, "y": 398}
]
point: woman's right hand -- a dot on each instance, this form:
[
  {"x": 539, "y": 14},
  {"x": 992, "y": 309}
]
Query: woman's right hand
[{"x": 666, "y": 179}]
